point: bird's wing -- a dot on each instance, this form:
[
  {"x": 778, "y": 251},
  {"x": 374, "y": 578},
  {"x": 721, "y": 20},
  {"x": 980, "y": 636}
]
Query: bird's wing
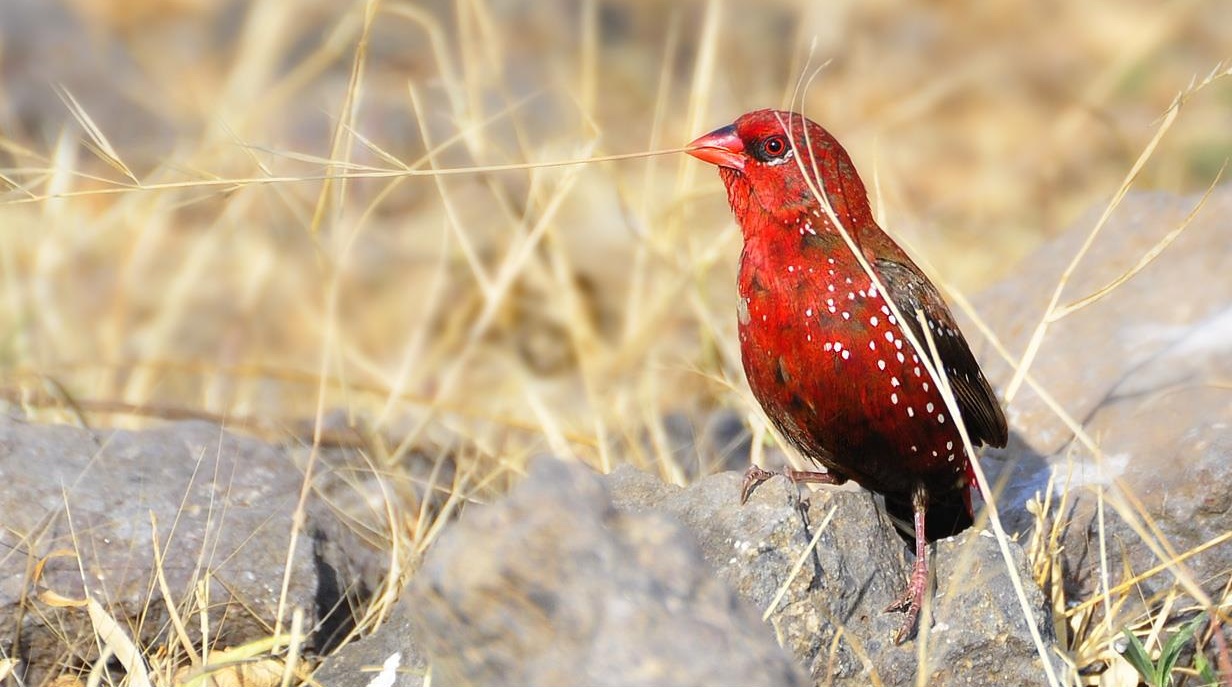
[{"x": 912, "y": 292}]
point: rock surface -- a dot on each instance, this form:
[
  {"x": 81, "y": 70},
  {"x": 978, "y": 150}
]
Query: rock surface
[
  {"x": 857, "y": 568},
  {"x": 622, "y": 579},
  {"x": 391, "y": 648},
  {"x": 554, "y": 586},
  {"x": 224, "y": 505},
  {"x": 1142, "y": 371}
]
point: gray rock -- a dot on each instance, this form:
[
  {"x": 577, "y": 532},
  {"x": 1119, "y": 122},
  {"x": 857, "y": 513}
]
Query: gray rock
[
  {"x": 831, "y": 614},
  {"x": 554, "y": 586},
  {"x": 623, "y": 579},
  {"x": 1139, "y": 369},
  {"x": 391, "y": 649},
  {"x": 980, "y": 636},
  {"x": 223, "y": 505}
]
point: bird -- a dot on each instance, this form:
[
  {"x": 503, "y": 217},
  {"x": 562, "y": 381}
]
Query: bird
[{"x": 825, "y": 346}]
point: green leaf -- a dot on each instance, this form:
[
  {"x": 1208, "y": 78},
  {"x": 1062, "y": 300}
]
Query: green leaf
[
  {"x": 1169, "y": 654},
  {"x": 1172, "y": 650},
  {"x": 1205, "y": 672},
  {"x": 1137, "y": 656}
]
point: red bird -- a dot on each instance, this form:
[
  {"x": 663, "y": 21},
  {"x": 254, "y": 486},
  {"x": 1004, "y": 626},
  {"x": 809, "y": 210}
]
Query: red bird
[{"x": 826, "y": 354}]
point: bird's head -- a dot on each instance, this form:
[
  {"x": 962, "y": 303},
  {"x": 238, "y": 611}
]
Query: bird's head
[{"x": 767, "y": 159}]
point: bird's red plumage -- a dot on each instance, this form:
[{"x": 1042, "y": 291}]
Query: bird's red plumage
[{"x": 823, "y": 352}]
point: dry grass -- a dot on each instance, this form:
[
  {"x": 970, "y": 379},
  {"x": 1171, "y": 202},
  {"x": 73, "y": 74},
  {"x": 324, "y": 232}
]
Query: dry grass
[{"x": 229, "y": 212}]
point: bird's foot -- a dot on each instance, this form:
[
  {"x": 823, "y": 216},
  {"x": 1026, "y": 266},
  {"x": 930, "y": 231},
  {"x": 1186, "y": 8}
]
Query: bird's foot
[
  {"x": 754, "y": 476},
  {"x": 911, "y": 600}
]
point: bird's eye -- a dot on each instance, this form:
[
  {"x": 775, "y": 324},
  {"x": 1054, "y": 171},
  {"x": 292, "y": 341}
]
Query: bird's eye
[{"x": 774, "y": 146}]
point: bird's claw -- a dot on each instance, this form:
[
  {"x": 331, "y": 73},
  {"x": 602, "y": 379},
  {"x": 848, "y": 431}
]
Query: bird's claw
[
  {"x": 755, "y": 476},
  {"x": 752, "y": 477},
  {"x": 908, "y": 628},
  {"x": 910, "y": 601},
  {"x": 902, "y": 603}
]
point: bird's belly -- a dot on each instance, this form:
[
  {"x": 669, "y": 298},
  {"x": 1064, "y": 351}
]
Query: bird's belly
[{"x": 842, "y": 383}]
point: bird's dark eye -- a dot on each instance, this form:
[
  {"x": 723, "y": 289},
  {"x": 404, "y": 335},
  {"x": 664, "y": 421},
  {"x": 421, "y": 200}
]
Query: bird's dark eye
[{"x": 774, "y": 146}]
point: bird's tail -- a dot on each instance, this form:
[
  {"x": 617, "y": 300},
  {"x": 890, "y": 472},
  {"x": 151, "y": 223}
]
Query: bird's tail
[{"x": 947, "y": 516}]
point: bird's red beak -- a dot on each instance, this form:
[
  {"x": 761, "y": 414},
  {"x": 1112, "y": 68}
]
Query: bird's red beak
[{"x": 720, "y": 147}]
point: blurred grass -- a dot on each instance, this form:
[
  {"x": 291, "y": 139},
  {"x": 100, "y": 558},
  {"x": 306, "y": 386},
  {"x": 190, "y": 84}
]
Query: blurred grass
[
  {"x": 568, "y": 310},
  {"x": 985, "y": 128}
]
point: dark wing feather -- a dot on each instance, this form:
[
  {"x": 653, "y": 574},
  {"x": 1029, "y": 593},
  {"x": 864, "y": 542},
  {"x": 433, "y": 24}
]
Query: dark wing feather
[{"x": 913, "y": 292}]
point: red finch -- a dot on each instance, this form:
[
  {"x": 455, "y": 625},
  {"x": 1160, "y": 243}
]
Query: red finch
[{"x": 824, "y": 351}]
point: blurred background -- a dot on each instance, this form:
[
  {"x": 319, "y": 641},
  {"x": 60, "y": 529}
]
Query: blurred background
[{"x": 170, "y": 248}]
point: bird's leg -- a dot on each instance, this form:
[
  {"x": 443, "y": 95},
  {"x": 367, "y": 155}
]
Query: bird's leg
[
  {"x": 755, "y": 476},
  {"x": 912, "y": 597}
]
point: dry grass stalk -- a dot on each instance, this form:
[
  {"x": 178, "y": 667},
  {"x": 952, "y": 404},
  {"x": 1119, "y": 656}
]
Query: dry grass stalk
[{"x": 129, "y": 361}]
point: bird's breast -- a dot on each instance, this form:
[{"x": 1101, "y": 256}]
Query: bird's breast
[{"x": 825, "y": 357}]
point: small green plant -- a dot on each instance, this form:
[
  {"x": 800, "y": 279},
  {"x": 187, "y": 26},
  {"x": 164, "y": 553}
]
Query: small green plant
[
  {"x": 1205, "y": 672},
  {"x": 1159, "y": 673}
]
